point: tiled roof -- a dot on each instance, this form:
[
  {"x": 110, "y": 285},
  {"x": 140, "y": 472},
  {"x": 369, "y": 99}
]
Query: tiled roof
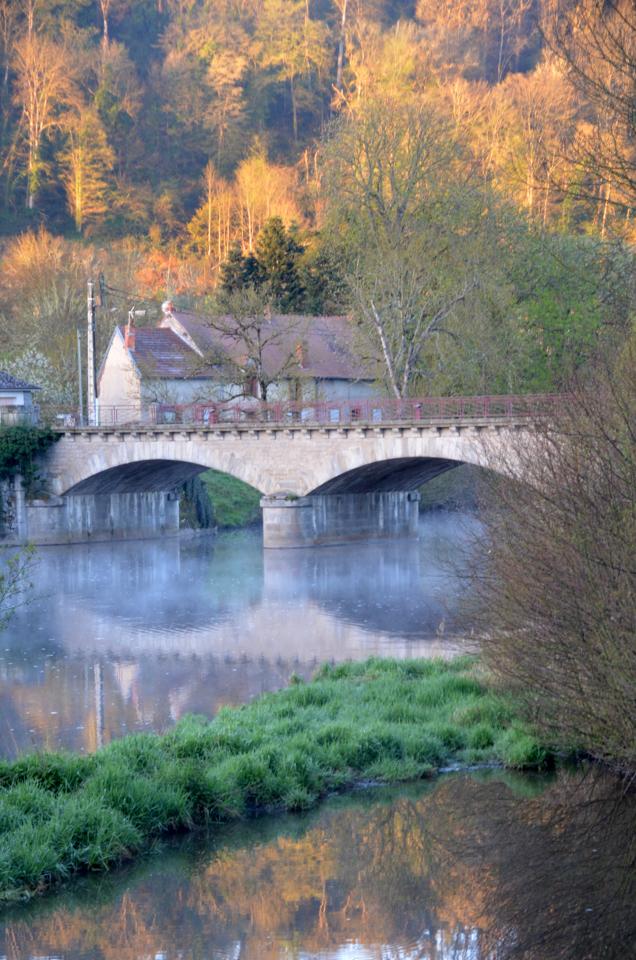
[
  {"x": 160, "y": 354},
  {"x": 7, "y": 382},
  {"x": 325, "y": 346}
]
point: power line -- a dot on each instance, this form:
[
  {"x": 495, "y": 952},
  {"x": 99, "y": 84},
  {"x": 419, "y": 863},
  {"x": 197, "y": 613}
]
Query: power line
[{"x": 131, "y": 297}]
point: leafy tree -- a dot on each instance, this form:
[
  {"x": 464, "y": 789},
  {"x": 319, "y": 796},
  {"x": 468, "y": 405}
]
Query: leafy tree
[
  {"x": 293, "y": 46},
  {"x": 87, "y": 163},
  {"x": 117, "y": 100},
  {"x": 263, "y": 190},
  {"x": 274, "y": 268},
  {"x": 43, "y": 284},
  {"x": 211, "y": 225},
  {"x": 35, "y": 367},
  {"x": 417, "y": 237},
  {"x": 320, "y": 269}
]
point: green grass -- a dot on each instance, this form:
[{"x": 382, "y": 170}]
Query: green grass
[
  {"x": 235, "y": 503},
  {"x": 380, "y": 720}
]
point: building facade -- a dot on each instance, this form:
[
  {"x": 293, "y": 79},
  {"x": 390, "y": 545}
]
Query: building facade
[
  {"x": 188, "y": 359},
  {"x": 17, "y": 403}
]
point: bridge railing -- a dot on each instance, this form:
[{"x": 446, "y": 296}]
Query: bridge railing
[{"x": 366, "y": 410}]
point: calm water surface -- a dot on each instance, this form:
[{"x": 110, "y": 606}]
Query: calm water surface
[
  {"x": 131, "y": 636},
  {"x": 481, "y": 866},
  {"x": 489, "y": 867}
]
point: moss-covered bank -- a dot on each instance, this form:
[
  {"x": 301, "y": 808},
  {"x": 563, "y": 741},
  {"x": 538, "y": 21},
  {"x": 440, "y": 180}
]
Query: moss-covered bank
[{"x": 379, "y": 720}]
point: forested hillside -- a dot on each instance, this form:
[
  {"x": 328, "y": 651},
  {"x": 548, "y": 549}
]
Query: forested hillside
[{"x": 457, "y": 175}]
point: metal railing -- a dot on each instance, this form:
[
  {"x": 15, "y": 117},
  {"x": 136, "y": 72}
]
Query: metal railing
[
  {"x": 369, "y": 410},
  {"x": 14, "y": 416}
]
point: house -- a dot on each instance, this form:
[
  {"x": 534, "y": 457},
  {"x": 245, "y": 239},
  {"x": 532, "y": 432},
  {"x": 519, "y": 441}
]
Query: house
[
  {"x": 188, "y": 358},
  {"x": 16, "y": 400}
]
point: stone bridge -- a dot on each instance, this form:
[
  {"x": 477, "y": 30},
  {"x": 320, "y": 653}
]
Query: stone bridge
[{"x": 320, "y": 482}]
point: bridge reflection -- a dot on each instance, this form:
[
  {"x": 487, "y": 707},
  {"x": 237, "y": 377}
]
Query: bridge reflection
[{"x": 131, "y": 636}]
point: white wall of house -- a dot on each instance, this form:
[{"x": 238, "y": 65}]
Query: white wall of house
[
  {"x": 16, "y": 398},
  {"x": 310, "y": 388},
  {"x": 119, "y": 383},
  {"x": 184, "y": 391},
  {"x": 346, "y": 389}
]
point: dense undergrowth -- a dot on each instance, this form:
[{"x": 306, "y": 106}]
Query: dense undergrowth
[{"x": 382, "y": 720}]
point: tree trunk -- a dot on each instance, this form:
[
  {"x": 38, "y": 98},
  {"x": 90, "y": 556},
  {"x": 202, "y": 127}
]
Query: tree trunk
[
  {"x": 294, "y": 108},
  {"x": 341, "y": 46},
  {"x": 502, "y": 38},
  {"x": 608, "y": 193}
]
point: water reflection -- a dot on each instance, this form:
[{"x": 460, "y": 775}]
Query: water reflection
[
  {"x": 132, "y": 635},
  {"x": 496, "y": 868}
]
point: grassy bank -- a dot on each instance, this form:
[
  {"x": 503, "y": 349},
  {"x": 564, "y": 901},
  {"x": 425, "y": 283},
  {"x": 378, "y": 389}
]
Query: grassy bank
[
  {"x": 235, "y": 504},
  {"x": 379, "y": 720}
]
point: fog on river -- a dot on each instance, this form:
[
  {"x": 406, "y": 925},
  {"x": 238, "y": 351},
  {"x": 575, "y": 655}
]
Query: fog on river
[{"x": 130, "y": 636}]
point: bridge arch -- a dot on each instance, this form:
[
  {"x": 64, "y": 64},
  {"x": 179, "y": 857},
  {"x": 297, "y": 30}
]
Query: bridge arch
[
  {"x": 142, "y": 468},
  {"x": 399, "y": 463}
]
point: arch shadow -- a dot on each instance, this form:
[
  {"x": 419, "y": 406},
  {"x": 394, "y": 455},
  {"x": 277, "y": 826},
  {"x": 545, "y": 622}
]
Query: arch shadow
[
  {"x": 401, "y": 473},
  {"x": 141, "y": 476}
]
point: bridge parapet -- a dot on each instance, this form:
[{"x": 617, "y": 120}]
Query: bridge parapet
[{"x": 366, "y": 410}]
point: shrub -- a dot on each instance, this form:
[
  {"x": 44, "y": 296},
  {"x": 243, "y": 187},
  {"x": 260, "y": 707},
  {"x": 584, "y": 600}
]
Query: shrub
[{"x": 557, "y": 592}]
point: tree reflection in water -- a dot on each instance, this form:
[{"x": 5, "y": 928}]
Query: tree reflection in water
[{"x": 496, "y": 867}]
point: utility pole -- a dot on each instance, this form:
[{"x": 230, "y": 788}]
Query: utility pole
[
  {"x": 80, "y": 384},
  {"x": 91, "y": 405}
]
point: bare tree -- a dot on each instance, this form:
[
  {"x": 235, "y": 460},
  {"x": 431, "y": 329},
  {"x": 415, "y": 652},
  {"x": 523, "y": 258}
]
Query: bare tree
[
  {"x": 415, "y": 225},
  {"x": 260, "y": 349},
  {"x": 15, "y": 582},
  {"x": 44, "y": 86},
  {"x": 597, "y": 42},
  {"x": 558, "y": 594}
]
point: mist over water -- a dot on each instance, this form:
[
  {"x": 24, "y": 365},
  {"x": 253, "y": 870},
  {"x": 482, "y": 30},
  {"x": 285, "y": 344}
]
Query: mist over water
[{"x": 130, "y": 636}]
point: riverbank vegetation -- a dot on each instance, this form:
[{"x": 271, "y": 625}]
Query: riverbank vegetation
[
  {"x": 455, "y": 176},
  {"x": 217, "y": 500},
  {"x": 19, "y": 447},
  {"x": 382, "y": 720},
  {"x": 235, "y": 503},
  {"x": 557, "y": 579}
]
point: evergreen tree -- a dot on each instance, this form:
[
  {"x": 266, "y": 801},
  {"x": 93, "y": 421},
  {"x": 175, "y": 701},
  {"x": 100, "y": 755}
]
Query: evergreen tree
[
  {"x": 277, "y": 254},
  {"x": 239, "y": 272}
]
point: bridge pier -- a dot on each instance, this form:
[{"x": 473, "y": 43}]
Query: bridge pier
[
  {"x": 331, "y": 519},
  {"x": 95, "y": 517}
]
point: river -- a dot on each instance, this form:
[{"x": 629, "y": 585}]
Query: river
[
  {"x": 483, "y": 865},
  {"x": 130, "y": 636}
]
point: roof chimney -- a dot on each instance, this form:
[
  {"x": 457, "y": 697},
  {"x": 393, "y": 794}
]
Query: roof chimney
[
  {"x": 130, "y": 333},
  {"x": 167, "y": 308}
]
